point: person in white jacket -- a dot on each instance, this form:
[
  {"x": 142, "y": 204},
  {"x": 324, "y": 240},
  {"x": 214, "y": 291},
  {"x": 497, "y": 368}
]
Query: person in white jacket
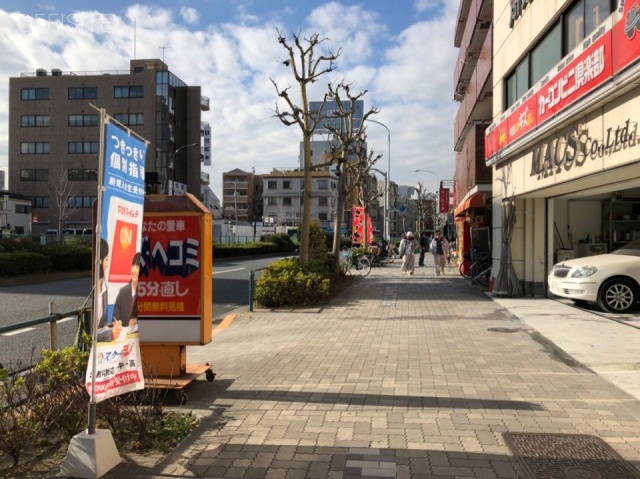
[
  {"x": 407, "y": 247},
  {"x": 440, "y": 250}
]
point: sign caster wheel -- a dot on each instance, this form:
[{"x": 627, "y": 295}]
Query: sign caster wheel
[{"x": 210, "y": 375}]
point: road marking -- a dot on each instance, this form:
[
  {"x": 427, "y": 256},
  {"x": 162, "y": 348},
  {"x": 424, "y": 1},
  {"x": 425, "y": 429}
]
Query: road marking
[
  {"x": 228, "y": 271},
  {"x": 13, "y": 333},
  {"x": 224, "y": 324}
]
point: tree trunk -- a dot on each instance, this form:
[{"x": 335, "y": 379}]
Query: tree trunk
[
  {"x": 337, "y": 222},
  {"x": 306, "y": 207}
]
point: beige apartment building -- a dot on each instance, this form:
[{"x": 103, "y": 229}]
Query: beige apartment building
[
  {"x": 563, "y": 143},
  {"x": 54, "y": 134}
]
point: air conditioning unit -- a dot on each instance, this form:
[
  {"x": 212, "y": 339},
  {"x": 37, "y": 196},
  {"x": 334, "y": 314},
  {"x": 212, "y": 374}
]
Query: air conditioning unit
[
  {"x": 41, "y": 72},
  {"x": 56, "y": 72}
]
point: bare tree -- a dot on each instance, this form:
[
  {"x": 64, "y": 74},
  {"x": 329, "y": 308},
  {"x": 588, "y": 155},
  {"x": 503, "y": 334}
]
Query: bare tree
[
  {"x": 360, "y": 172},
  {"x": 254, "y": 209},
  {"x": 307, "y": 68},
  {"x": 62, "y": 191},
  {"x": 348, "y": 148}
]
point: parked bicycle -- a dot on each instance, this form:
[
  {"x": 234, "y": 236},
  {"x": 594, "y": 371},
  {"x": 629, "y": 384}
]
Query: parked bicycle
[
  {"x": 356, "y": 263},
  {"x": 380, "y": 255},
  {"x": 477, "y": 267}
]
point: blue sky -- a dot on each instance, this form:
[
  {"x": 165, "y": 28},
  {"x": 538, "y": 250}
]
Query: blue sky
[{"x": 400, "y": 51}]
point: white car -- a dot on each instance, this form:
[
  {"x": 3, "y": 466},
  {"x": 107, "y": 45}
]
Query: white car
[{"x": 610, "y": 280}]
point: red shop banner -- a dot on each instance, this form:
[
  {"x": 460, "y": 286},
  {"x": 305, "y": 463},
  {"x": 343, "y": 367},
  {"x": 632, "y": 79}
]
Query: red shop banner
[
  {"x": 605, "y": 53},
  {"x": 170, "y": 285},
  {"x": 443, "y": 201},
  {"x": 626, "y": 35}
]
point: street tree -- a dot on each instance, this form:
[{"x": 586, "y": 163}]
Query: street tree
[
  {"x": 360, "y": 173},
  {"x": 307, "y": 67},
  {"x": 62, "y": 190},
  {"x": 348, "y": 148}
]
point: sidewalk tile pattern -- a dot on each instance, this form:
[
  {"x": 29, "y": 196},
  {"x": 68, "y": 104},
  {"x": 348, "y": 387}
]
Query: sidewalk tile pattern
[{"x": 397, "y": 377}]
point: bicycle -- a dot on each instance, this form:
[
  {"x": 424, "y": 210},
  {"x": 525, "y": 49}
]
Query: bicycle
[
  {"x": 478, "y": 270},
  {"x": 359, "y": 262}
]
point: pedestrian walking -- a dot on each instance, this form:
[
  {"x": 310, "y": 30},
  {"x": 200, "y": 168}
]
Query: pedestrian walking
[
  {"x": 440, "y": 250},
  {"x": 407, "y": 247},
  {"x": 424, "y": 246}
]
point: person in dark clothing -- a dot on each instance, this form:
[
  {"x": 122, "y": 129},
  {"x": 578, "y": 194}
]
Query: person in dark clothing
[
  {"x": 440, "y": 250},
  {"x": 424, "y": 245},
  {"x": 125, "y": 309},
  {"x": 105, "y": 332}
]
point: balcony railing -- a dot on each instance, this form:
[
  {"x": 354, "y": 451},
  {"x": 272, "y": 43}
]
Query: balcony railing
[
  {"x": 477, "y": 102},
  {"x": 204, "y": 103}
]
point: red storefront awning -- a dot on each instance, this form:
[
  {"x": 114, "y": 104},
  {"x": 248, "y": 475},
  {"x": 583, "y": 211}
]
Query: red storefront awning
[{"x": 476, "y": 200}]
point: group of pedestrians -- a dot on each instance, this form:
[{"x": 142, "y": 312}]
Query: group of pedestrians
[{"x": 438, "y": 246}]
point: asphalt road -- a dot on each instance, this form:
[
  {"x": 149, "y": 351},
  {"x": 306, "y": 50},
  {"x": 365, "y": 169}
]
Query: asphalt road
[
  {"x": 27, "y": 302},
  {"x": 231, "y": 282}
]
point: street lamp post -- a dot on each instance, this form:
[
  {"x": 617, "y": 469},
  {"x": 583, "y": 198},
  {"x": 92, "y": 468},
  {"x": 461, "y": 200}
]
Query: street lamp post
[
  {"x": 385, "y": 220},
  {"x": 387, "y": 193},
  {"x": 435, "y": 212},
  {"x": 173, "y": 166}
]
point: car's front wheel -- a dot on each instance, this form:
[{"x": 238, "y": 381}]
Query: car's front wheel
[{"x": 618, "y": 295}]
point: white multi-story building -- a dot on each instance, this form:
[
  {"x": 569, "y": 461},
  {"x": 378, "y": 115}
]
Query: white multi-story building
[
  {"x": 283, "y": 197},
  {"x": 15, "y": 214}
]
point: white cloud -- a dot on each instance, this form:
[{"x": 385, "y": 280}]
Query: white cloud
[
  {"x": 189, "y": 15},
  {"x": 408, "y": 76}
]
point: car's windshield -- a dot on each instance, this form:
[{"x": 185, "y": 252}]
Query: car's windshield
[{"x": 630, "y": 249}]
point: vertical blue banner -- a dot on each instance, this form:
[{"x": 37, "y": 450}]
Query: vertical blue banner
[{"x": 118, "y": 361}]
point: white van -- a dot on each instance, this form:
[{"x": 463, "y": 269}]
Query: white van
[
  {"x": 52, "y": 232},
  {"x": 71, "y": 231}
]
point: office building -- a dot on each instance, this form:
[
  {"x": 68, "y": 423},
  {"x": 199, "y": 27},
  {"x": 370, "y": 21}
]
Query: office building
[{"x": 54, "y": 134}]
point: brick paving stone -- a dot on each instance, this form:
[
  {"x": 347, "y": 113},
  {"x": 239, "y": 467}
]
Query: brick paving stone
[{"x": 423, "y": 384}]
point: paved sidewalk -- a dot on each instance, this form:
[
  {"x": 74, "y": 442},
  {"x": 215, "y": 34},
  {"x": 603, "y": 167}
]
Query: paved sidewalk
[{"x": 406, "y": 378}]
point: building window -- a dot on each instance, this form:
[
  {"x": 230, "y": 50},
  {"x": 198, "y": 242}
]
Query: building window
[
  {"x": 272, "y": 201},
  {"x": 322, "y": 216},
  {"x": 30, "y": 94},
  {"x": 546, "y": 54},
  {"x": 34, "y": 175},
  {"x": 272, "y": 185},
  {"x": 83, "y": 120},
  {"x": 582, "y": 19},
  {"x": 334, "y": 185},
  {"x": 323, "y": 201},
  {"x": 76, "y": 147},
  {"x": 83, "y": 93},
  {"x": 323, "y": 184},
  {"x": 130, "y": 119},
  {"x": 575, "y": 24},
  {"x": 35, "y": 148},
  {"x": 136, "y": 91},
  {"x": 81, "y": 201},
  {"x": 23, "y": 209},
  {"x": 286, "y": 201},
  {"x": 82, "y": 175},
  {"x": 286, "y": 185},
  {"x": 31, "y": 121},
  {"x": 40, "y": 201}
]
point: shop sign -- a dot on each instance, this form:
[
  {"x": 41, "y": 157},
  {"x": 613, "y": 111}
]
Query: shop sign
[
  {"x": 170, "y": 285},
  {"x": 517, "y": 6},
  {"x": 601, "y": 56},
  {"x": 573, "y": 148},
  {"x": 443, "y": 201},
  {"x": 626, "y": 35}
]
